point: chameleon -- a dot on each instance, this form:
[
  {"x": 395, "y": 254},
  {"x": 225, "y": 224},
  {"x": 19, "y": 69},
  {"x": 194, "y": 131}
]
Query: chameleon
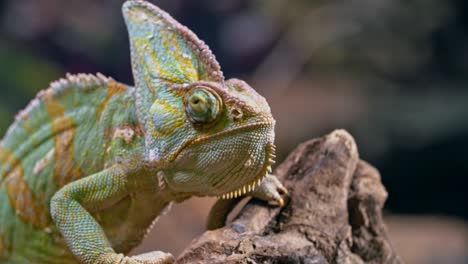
[{"x": 91, "y": 163}]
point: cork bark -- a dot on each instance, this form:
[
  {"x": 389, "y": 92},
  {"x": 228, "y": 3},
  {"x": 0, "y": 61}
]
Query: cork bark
[{"x": 333, "y": 214}]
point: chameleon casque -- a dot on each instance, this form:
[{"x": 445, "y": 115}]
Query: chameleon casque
[{"x": 90, "y": 163}]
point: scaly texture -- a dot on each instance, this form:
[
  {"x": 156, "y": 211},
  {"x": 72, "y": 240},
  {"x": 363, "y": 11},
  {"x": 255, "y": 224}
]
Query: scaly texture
[{"x": 90, "y": 164}]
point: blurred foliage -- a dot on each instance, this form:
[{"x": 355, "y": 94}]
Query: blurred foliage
[
  {"x": 393, "y": 72},
  {"x": 29, "y": 72}
]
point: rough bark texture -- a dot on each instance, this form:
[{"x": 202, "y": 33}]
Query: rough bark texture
[{"x": 333, "y": 214}]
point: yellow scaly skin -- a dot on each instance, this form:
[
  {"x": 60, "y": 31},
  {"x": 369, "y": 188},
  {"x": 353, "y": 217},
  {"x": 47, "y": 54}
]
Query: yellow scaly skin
[{"x": 89, "y": 165}]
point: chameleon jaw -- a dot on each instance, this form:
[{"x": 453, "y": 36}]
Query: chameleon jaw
[
  {"x": 250, "y": 186},
  {"x": 240, "y": 129}
]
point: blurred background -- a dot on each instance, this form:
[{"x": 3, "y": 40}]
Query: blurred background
[{"x": 394, "y": 73}]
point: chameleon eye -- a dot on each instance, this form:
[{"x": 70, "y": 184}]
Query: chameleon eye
[{"x": 202, "y": 105}]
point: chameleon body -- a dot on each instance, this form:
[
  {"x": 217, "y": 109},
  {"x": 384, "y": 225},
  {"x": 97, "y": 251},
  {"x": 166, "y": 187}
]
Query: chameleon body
[{"x": 90, "y": 164}]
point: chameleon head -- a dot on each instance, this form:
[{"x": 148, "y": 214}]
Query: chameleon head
[
  {"x": 209, "y": 136},
  {"x": 231, "y": 147}
]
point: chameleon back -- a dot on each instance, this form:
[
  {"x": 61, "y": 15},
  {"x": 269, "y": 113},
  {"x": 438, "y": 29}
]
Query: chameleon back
[{"x": 48, "y": 146}]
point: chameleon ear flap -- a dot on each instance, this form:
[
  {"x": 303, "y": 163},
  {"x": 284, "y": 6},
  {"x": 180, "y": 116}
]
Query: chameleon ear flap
[{"x": 163, "y": 49}]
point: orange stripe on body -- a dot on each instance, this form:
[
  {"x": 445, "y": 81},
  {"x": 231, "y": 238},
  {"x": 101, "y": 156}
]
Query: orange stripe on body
[
  {"x": 3, "y": 249},
  {"x": 3, "y": 158},
  {"x": 63, "y": 128},
  {"x": 3, "y": 154},
  {"x": 113, "y": 88},
  {"x": 28, "y": 207},
  {"x": 65, "y": 169},
  {"x": 8, "y": 162},
  {"x": 24, "y": 202}
]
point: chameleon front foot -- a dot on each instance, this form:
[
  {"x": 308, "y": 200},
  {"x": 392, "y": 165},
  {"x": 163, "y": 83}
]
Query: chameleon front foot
[{"x": 271, "y": 190}]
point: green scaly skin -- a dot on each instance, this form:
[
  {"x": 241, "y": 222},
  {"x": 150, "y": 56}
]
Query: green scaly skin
[{"x": 89, "y": 165}]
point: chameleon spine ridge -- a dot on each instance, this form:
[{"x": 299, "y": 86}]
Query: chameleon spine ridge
[{"x": 56, "y": 88}]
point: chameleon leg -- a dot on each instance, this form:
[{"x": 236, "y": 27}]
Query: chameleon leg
[
  {"x": 136, "y": 225},
  {"x": 270, "y": 190},
  {"x": 70, "y": 208},
  {"x": 220, "y": 211}
]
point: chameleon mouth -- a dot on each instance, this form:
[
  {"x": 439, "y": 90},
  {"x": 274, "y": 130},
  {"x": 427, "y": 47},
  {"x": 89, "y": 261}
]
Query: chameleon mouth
[{"x": 250, "y": 186}]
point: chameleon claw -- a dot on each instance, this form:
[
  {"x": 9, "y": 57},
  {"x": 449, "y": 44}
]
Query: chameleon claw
[
  {"x": 279, "y": 201},
  {"x": 271, "y": 190}
]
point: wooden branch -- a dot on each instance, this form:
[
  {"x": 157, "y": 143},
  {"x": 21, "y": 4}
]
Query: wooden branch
[{"x": 333, "y": 214}]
